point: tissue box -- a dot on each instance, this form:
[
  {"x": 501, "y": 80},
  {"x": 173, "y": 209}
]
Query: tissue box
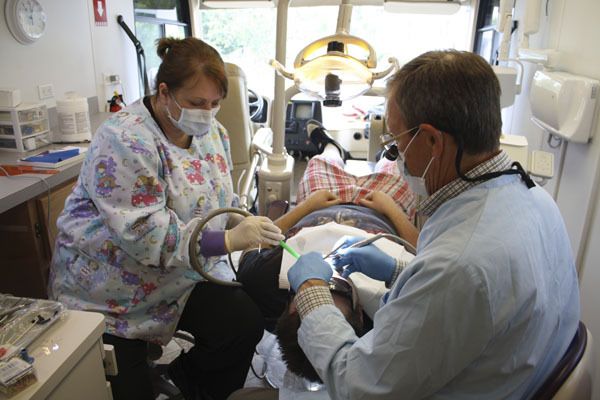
[{"x": 10, "y": 97}]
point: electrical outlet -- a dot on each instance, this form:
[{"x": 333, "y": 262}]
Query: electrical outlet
[
  {"x": 112, "y": 79},
  {"x": 541, "y": 163},
  {"x": 46, "y": 91}
]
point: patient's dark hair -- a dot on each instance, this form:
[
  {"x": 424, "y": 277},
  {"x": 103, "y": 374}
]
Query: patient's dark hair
[{"x": 291, "y": 352}]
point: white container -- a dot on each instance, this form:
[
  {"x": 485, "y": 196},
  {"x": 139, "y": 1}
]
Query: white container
[
  {"x": 73, "y": 119},
  {"x": 10, "y": 97},
  {"x": 564, "y": 104}
]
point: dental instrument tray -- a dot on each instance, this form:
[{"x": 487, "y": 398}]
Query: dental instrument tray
[{"x": 22, "y": 320}]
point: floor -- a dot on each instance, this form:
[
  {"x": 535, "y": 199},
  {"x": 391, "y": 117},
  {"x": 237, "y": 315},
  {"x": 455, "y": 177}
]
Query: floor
[
  {"x": 267, "y": 364},
  {"x": 267, "y": 369}
]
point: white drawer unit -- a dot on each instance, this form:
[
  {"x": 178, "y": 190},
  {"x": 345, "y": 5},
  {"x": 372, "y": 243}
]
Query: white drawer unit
[
  {"x": 68, "y": 361},
  {"x": 24, "y": 127}
]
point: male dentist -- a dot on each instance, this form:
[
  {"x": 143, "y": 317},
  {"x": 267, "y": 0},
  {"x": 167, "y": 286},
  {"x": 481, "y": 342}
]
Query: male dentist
[{"x": 490, "y": 303}]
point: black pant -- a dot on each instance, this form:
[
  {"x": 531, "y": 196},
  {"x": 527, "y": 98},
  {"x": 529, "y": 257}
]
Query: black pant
[{"x": 226, "y": 326}]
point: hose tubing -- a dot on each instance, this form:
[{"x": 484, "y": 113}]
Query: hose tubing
[{"x": 194, "y": 260}]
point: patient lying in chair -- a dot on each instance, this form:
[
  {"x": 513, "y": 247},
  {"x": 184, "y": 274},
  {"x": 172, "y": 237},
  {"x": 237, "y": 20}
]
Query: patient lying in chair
[
  {"x": 376, "y": 203},
  {"x": 327, "y": 171}
]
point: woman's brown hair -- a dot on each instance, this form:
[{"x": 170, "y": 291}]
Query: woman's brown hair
[{"x": 184, "y": 58}]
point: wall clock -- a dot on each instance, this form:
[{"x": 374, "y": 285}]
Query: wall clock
[{"x": 26, "y": 20}]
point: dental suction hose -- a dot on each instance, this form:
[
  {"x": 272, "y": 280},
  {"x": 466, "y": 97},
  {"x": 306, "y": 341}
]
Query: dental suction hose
[{"x": 193, "y": 246}]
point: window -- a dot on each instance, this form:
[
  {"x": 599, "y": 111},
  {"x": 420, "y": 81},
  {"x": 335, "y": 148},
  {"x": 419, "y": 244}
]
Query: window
[
  {"x": 487, "y": 40},
  {"x": 155, "y": 19},
  {"x": 405, "y": 36},
  {"x": 246, "y": 37}
]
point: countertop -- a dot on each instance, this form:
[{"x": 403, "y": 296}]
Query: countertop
[{"x": 20, "y": 188}]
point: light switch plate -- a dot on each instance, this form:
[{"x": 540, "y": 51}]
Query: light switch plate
[
  {"x": 541, "y": 163},
  {"x": 46, "y": 91}
]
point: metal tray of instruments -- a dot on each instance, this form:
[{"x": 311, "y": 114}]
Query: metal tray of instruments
[{"x": 22, "y": 320}]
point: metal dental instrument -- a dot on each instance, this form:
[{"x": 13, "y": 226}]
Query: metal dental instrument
[
  {"x": 362, "y": 243},
  {"x": 11, "y": 310},
  {"x": 332, "y": 252}
]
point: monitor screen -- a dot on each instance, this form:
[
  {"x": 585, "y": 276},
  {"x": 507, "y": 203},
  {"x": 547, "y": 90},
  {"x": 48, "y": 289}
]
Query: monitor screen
[{"x": 303, "y": 111}]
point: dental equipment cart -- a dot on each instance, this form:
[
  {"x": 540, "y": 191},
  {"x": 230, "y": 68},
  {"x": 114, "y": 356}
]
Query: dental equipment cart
[{"x": 68, "y": 360}]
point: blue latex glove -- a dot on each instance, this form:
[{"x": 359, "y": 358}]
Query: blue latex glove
[
  {"x": 368, "y": 259},
  {"x": 309, "y": 266}
]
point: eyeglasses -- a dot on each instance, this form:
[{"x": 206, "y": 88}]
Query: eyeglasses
[
  {"x": 389, "y": 138},
  {"x": 389, "y": 141}
]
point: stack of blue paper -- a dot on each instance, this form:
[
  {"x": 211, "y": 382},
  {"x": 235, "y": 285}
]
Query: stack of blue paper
[{"x": 53, "y": 156}]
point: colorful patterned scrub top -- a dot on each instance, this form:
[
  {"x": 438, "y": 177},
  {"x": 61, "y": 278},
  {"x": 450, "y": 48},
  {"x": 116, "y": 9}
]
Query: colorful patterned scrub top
[{"x": 122, "y": 247}]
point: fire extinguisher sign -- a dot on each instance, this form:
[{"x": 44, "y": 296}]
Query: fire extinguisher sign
[{"x": 100, "y": 12}]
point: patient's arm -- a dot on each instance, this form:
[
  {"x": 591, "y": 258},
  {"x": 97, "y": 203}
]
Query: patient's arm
[
  {"x": 316, "y": 201},
  {"x": 383, "y": 203}
]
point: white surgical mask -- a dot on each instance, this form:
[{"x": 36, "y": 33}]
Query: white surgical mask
[
  {"x": 415, "y": 183},
  {"x": 193, "y": 121}
]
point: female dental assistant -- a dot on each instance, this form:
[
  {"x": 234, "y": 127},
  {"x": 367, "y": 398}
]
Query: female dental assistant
[{"x": 122, "y": 248}]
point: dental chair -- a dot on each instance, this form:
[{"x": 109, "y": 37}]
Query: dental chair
[
  {"x": 161, "y": 384},
  {"x": 571, "y": 379},
  {"x": 235, "y": 117}
]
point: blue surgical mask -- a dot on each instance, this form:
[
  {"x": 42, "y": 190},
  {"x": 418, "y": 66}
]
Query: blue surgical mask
[
  {"x": 193, "y": 121},
  {"x": 416, "y": 183}
]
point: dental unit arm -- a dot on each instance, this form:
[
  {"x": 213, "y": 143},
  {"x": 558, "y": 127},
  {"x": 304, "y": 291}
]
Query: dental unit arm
[
  {"x": 329, "y": 77},
  {"x": 261, "y": 148}
]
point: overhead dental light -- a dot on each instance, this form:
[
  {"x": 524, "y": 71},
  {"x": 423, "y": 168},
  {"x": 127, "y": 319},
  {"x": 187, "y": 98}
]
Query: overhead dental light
[{"x": 336, "y": 68}]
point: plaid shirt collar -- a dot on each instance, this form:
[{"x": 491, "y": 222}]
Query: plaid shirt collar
[{"x": 499, "y": 162}]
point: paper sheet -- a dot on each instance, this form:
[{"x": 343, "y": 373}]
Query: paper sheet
[{"x": 322, "y": 239}]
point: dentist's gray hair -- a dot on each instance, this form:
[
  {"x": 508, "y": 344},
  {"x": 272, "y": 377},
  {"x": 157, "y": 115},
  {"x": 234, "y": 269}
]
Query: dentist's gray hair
[{"x": 455, "y": 91}]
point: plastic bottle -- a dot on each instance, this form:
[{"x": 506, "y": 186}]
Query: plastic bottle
[{"x": 73, "y": 119}]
